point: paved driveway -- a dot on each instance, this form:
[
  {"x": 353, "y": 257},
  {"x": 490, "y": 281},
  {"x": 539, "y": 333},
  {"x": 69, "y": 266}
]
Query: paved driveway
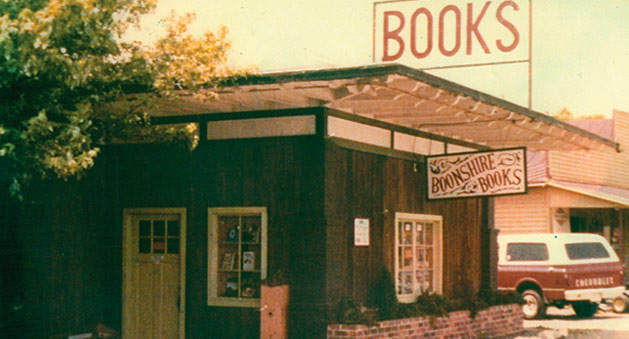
[{"x": 563, "y": 323}]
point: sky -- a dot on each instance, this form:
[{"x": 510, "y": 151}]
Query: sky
[{"x": 580, "y": 48}]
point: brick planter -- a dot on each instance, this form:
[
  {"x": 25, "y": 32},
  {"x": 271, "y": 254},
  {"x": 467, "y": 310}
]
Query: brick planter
[{"x": 494, "y": 322}]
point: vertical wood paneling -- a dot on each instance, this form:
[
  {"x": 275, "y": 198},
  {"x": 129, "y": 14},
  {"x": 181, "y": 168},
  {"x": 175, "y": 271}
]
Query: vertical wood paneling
[
  {"x": 76, "y": 243},
  {"x": 71, "y": 232},
  {"x": 366, "y": 185}
]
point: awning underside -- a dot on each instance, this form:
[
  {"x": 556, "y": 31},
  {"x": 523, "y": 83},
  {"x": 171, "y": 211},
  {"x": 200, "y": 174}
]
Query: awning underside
[
  {"x": 614, "y": 195},
  {"x": 401, "y": 96}
]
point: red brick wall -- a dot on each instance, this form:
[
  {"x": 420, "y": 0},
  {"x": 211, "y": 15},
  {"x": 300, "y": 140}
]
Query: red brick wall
[{"x": 494, "y": 322}]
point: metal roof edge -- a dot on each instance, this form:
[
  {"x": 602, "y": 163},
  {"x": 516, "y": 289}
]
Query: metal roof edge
[{"x": 417, "y": 74}]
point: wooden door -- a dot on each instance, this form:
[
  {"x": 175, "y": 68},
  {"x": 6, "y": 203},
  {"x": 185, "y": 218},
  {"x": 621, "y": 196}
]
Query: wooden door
[{"x": 154, "y": 273}]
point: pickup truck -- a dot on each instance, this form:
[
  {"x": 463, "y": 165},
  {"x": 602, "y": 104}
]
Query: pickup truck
[{"x": 577, "y": 269}]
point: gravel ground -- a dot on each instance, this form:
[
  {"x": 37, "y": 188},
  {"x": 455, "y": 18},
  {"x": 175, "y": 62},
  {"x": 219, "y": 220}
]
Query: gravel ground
[
  {"x": 563, "y": 323},
  {"x": 545, "y": 333}
]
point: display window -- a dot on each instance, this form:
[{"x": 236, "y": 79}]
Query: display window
[
  {"x": 236, "y": 255},
  {"x": 418, "y": 255}
]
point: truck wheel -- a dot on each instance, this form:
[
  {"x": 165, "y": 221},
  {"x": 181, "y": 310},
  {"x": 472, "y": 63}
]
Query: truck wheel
[
  {"x": 533, "y": 304},
  {"x": 619, "y": 305},
  {"x": 584, "y": 309}
]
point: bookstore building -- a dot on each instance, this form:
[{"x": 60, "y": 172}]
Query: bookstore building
[{"x": 316, "y": 181}]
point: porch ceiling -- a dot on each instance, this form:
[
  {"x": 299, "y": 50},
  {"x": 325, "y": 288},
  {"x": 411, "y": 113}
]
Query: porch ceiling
[{"x": 399, "y": 95}]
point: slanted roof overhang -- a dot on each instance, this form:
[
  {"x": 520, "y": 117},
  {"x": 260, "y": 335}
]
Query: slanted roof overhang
[
  {"x": 402, "y": 96},
  {"x": 610, "y": 194}
]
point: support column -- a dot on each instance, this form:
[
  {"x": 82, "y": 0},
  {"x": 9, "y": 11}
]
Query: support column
[{"x": 489, "y": 243}]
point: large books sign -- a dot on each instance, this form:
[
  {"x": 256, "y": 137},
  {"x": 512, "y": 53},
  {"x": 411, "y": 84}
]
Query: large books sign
[
  {"x": 450, "y": 33},
  {"x": 476, "y": 174}
]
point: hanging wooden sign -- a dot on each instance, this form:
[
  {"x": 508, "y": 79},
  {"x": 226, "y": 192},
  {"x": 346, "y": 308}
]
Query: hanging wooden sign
[{"x": 487, "y": 173}]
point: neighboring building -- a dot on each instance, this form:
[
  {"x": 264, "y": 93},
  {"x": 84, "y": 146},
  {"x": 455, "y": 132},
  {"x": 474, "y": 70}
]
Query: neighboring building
[
  {"x": 576, "y": 191},
  {"x": 318, "y": 177}
]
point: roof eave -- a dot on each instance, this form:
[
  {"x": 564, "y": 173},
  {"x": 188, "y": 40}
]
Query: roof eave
[{"x": 419, "y": 75}]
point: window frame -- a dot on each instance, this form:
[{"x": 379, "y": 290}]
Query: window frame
[
  {"x": 437, "y": 221},
  {"x": 213, "y": 259}
]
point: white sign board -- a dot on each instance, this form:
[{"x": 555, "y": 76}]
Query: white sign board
[
  {"x": 361, "y": 232},
  {"x": 476, "y": 174},
  {"x": 447, "y": 33}
]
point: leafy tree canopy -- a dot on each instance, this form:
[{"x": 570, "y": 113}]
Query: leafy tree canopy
[{"x": 63, "y": 62}]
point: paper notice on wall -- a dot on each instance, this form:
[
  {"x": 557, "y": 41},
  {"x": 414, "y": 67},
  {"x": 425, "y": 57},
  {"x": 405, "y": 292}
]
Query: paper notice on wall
[{"x": 361, "y": 232}]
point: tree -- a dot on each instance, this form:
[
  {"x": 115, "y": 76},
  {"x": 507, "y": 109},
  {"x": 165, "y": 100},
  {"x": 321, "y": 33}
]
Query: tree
[
  {"x": 565, "y": 115},
  {"x": 63, "y": 63}
]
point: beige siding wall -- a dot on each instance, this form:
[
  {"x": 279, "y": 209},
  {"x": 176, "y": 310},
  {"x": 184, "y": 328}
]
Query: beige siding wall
[
  {"x": 523, "y": 213},
  {"x": 596, "y": 167}
]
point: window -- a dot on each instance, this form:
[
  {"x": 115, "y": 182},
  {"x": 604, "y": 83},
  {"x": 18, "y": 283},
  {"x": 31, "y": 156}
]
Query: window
[
  {"x": 158, "y": 236},
  {"x": 527, "y": 252},
  {"x": 586, "y": 250},
  {"x": 236, "y": 255},
  {"x": 418, "y": 255}
]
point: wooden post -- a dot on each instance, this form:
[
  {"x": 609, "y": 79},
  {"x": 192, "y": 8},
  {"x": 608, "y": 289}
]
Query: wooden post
[{"x": 621, "y": 240}]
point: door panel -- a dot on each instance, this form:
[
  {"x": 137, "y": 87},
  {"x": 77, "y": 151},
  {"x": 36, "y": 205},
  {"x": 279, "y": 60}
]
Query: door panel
[{"x": 154, "y": 274}]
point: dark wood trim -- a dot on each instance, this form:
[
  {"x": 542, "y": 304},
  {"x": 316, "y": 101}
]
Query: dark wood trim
[
  {"x": 359, "y": 146},
  {"x": 321, "y": 124},
  {"x": 206, "y": 117}
]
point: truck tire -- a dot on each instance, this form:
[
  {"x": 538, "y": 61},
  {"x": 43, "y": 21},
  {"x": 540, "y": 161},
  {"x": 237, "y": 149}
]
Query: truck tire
[
  {"x": 533, "y": 304},
  {"x": 619, "y": 304},
  {"x": 584, "y": 309}
]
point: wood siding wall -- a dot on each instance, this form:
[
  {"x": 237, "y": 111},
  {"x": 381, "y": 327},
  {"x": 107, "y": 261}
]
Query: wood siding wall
[
  {"x": 69, "y": 234},
  {"x": 363, "y": 185},
  {"x": 523, "y": 213},
  {"x": 596, "y": 167},
  {"x": 63, "y": 268},
  {"x": 68, "y": 268}
]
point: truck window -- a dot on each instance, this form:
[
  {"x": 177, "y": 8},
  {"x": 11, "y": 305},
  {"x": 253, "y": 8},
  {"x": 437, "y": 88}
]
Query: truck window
[
  {"x": 586, "y": 250},
  {"x": 527, "y": 252}
]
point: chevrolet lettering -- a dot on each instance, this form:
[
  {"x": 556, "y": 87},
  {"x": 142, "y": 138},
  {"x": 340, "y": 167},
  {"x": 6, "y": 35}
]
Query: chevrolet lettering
[{"x": 594, "y": 282}]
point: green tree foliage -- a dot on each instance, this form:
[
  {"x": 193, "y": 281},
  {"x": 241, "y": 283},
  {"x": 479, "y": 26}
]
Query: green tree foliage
[{"x": 68, "y": 83}]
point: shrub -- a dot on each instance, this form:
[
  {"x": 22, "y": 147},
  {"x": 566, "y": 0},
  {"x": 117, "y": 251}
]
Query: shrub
[
  {"x": 383, "y": 297},
  {"x": 348, "y": 311},
  {"x": 384, "y": 304}
]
